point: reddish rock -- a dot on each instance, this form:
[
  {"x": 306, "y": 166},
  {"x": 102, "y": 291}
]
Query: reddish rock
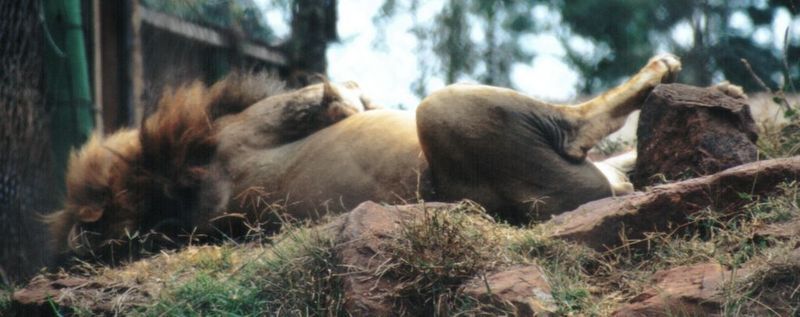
[
  {"x": 363, "y": 233},
  {"x": 687, "y": 131},
  {"x": 699, "y": 290},
  {"x": 780, "y": 231},
  {"x": 522, "y": 288},
  {"x": 599, "y": 224},
  {"x": 47, "y": 295},
  {"x": 682, "y": 291}
]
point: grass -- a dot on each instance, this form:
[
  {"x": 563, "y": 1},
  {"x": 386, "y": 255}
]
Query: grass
[
  {"x": 434, "y": 256},
  {"x": 728, "y": 237},
  {"x": 294, "y": 276},
  {"x": 780, "y": 139},
  {"x": 568, "y": 267},
  {"x": 297, "y": 272},
  {"x": 5, "y": 297},
  {"x": 770, "y": 290}
]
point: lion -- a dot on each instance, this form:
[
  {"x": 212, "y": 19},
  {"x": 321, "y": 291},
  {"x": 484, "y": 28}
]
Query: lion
[{"x": 248, "y": 147}]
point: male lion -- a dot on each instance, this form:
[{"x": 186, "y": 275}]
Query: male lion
[{"x": 244, "y": 147}]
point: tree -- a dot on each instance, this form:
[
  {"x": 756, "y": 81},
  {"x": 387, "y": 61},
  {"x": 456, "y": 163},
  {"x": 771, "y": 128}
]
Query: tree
[
  {"x": 623, "y": 34},
  {"x": 451, "y": 37},
  {"x": 633, "y": 30},
  {"x": 313, "y": 27}
]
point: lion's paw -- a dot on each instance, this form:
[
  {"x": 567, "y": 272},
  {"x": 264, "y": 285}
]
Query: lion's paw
[
  {"x": 666, "y": 63},
  {"x": 731, "y": 90}
]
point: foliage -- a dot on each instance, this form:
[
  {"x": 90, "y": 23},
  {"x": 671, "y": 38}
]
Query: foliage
[
  {"x": 604, "y": 40},
  {"x": 631, "y": 31},
  {"x": 460, "y": 53},
  {"x": 5, "y": 298}
]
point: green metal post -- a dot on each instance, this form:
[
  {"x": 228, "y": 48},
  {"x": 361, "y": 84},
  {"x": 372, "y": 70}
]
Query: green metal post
[{"x": 67, "y": 80}]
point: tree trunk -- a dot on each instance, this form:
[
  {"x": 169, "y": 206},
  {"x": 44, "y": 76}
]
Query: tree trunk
[{"x": 313, "y": 27}]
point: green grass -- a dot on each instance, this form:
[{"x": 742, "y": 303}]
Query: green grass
[
  {"x": 208, "y": 295},
  {"x": 568, "y": 267},
  {"x": 292, "y": 277}
]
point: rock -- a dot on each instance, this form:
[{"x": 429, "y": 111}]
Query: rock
[
  {"x": 779, "y": 231},
  {"x": 700, "y": 289},
  {"x": 691, "y": 131},
  {"x": 599, "y": 224},
  {"x": 361, "y": 245},
  {"x": 48, "y": 295},
  {"x": 524, "y": 288},
  {"x": 691, "y": 290},
  {"x": 364, "y": 231}
]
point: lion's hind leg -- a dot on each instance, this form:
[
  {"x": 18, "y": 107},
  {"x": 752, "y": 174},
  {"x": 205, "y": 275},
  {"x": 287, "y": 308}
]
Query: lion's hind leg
[
  {"x": 616, "y": 170},
  {"x": 604, "y": 114}
]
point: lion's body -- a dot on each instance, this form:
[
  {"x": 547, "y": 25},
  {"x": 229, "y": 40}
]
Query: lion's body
[
  {"x": 232, "y": 148},
  {"x": 374, "y": 155}
]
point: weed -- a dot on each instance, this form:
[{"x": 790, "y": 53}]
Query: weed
[{"x": 434, "y": 256}]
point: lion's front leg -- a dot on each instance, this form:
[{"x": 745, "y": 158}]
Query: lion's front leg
[{"x": 604, "y": 114}]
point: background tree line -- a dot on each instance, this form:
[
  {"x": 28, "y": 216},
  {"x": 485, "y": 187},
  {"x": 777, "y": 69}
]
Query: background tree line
[{"x": 607, "y": 40}]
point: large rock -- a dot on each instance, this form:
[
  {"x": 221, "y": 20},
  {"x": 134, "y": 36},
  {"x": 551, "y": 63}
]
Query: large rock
[
  {"x": 600, "y": 224},
  {"x": 522, "y": 288},
  {"x": 361, "y": 240},
  {"x": 687, "y": 131}
]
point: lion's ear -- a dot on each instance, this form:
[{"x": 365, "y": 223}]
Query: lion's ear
[{"x": 90, "y": 214}]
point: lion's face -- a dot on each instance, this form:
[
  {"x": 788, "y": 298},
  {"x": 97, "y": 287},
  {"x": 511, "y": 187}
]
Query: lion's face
[{"x": 98, "y": 207}]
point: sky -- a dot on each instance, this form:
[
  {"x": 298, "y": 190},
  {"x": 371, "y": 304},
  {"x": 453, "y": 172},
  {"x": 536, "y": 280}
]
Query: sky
[{"x": 386, "y": 72}]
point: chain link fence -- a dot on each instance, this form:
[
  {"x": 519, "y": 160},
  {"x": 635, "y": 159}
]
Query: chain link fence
[{"x": 25, "y": 156}]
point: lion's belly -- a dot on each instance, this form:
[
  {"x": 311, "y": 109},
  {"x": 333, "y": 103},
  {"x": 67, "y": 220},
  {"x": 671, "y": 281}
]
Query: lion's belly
[{"x": 370, "y": 156}]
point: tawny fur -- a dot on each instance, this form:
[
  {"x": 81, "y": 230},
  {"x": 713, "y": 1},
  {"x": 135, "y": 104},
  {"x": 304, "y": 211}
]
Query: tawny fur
[
  {"x": 314, "y": 151},
  {"x": 112, "y": 181}
]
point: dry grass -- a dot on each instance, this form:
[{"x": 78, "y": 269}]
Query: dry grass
[
  {"x": 292, "y": 276},
  {"x": 729, "y": 237},
  {"x": 297, "y": 273},
  {"x": 433, "y": 256},
  {"x": 780, "y": 136},
  {"x": 771, "y": 289}
]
